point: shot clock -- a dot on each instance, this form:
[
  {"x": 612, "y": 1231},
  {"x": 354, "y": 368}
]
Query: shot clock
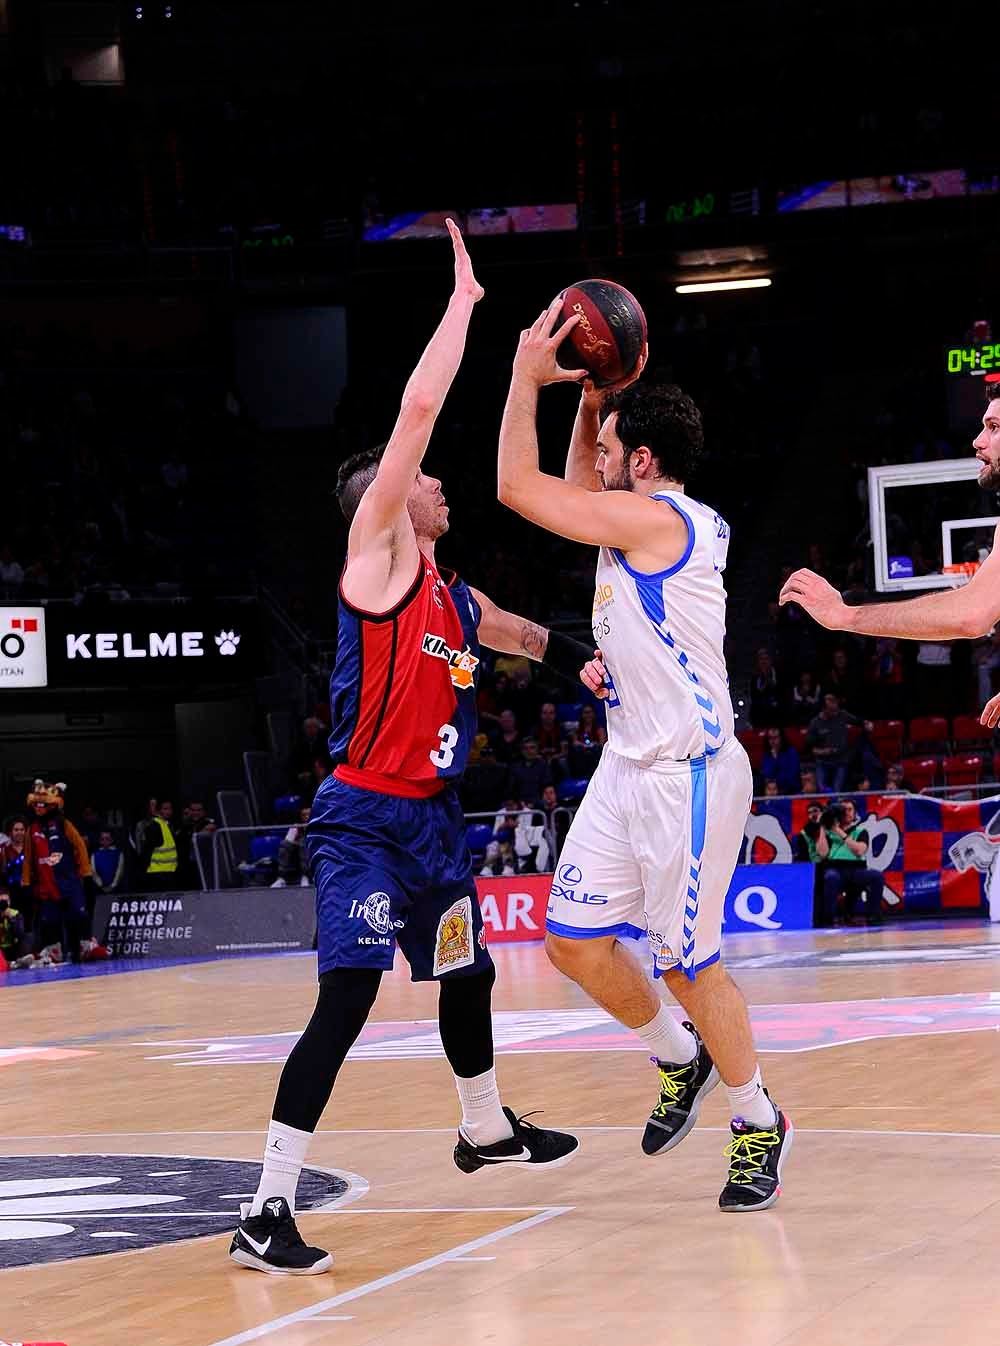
[{"x": 978, "y": 358}]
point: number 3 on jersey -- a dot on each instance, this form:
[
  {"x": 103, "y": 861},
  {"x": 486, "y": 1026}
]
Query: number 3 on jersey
[{"x": 444, "y": 754}]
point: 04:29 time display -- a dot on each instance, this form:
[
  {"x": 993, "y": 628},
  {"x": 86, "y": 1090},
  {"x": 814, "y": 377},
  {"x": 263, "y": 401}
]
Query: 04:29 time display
[{"x": 966, "y": 359}]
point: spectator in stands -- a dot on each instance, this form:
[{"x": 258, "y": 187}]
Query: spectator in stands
[
  {"x": 486, "y": 781},
  {"x": 12, "y": 851},
  {"x": 829, "y": 740},
  {"x": 986, "y": 660},
  {"x": 895, "y": 780},
  {"x": 843, "y": 680},
  {"x": 781, "y": 764},
  {"x": 501, "y": 848},
  {"x": 885, "y": 677},
  {"x": 492, "y": 698},
  {"x": 843, "y": 844},
  {"x": 195, "y": 818},
  {"x": 530, "y": 776},
  {"x": 809, "y": 786},
  {"x": 13, "y": 940},
  {"x": 507, "y": 744},
  {"x": 158, "y": 857},
  {"x": 11, "y": 571},
  {"x": 293, "y": 863},
  {"x": 866, "y": 762},
  {"x": 805, "y": 698},
  {"x": 586, "y": 743},
  {"x": 312, "y": 747},
  {"x": 90, "y": 826},
  {"x": 771, "y": 790},
  {"x": 552, "y": 743},
  {"x": 933, "y": 683},
  {"x": 107, "y": 864},
  {"x": 804, "y": 843},
  {"x": 144, "y": 823},
  {"x": 765, "y": 692}
]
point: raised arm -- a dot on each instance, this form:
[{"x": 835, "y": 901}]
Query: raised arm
[
  {"x": 583, "y": 448},
  {"x": 423, "y": 399},
  {"x": 953, "y": 614},
  {"x": 609, "y": 518}
]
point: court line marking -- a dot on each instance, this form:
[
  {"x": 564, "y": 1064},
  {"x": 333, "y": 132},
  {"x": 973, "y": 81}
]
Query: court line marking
[
  {"x": 449, "y": 1130},
  {"x": 316, "y": 1210},
  {"x": 393, "y": 1278}
]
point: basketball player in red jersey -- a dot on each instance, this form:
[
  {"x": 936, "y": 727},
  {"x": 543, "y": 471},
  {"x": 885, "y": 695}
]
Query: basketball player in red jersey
[{"x": 387, "y": 836}]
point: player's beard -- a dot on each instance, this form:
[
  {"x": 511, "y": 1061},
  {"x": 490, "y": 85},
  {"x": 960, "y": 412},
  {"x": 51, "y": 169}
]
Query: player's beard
[
  {"x": 621, "y": 481},
  {"x": 989, "y": 479}
]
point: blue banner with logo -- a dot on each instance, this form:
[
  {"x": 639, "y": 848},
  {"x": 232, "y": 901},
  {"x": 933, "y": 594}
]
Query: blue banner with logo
[{"x": 771, "y": 898}]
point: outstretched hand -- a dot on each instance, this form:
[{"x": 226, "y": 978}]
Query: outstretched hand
[
  {"x": 536, "y": 360},
  {"x": 991, "y": 712},
  {"x": 592, "y": 676},
  {"x": 465, "y": 280},
  {"x": 817, "y": 597}
]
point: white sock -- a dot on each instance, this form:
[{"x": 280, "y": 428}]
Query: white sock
[
  {"x": 751, "y": 1103},
  {"x": 667, "y": 1040},
  {"x": 483, "y": 1119},
  {"x": 284, "y": 1155}
]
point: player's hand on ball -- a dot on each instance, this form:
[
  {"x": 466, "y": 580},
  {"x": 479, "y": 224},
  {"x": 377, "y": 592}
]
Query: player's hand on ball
[
  {"x": 817, "y": 597},
  {"x": 536, "y": 351},
  {"x": 465, "y": 280},
  {"x": 991, "y": 712},
  {"x": 592, "y": 393},
  {"x": 592, "y": 676}
]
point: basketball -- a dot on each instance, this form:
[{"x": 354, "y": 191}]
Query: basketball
[{"x": 611, "y": 333}]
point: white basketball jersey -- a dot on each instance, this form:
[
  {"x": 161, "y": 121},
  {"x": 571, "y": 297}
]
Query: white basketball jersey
[{"x": 662, "y": 638}]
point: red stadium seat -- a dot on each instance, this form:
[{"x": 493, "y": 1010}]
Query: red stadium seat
[
  {"x": 920, "y": 771},
  {"x": 967, "y": 732},
  {"x": 928, "y": 732},
  {"x": 962, "y": 769},
  {"x": 887, "y": 736},
  {"x": 795, "y": 737},
  {"x": 753, "y": 741}
]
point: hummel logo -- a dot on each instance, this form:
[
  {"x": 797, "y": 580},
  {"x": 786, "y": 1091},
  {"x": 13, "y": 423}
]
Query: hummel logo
[
  {"x": 506, "y": 1158},
  {"x": 259, "y": 1248}
]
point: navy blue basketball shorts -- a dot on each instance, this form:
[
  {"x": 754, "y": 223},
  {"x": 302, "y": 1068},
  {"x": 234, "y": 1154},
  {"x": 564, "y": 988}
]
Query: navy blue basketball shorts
[{"x": 390, "y": 871}]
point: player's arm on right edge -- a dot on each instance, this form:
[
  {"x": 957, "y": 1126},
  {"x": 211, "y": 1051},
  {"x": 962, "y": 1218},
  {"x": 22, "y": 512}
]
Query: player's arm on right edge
[
  {"x": 381, "y": 538},
  {"x": 953, "y": 614}
]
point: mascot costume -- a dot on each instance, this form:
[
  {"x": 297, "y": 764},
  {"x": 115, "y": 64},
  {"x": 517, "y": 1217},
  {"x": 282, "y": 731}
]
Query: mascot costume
[{"x": 56, "y": 863}]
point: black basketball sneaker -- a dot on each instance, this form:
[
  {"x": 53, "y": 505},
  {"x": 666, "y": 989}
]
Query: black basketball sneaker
[
  {"x": 528, "y": 1145},
  {"x": 270, "y": 1242},
  {"x": 683, "y": 1089},
  {"x": 756, "y": 1156}
]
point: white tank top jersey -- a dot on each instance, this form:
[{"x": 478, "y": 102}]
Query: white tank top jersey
[{"x": 662, "y": 637}]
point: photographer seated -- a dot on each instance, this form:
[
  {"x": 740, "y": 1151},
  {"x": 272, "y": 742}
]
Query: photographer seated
[{"x": 843, "y": 843}]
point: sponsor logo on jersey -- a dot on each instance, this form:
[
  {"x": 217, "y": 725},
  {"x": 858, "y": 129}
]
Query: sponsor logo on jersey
[
  {"x": 605, "y": 594},
  {"x": 453, "y": 947},
  {"x": 377, "y": 912},
  {"x": 462, "y": 664},
  {"x": 664, "y": 957}
]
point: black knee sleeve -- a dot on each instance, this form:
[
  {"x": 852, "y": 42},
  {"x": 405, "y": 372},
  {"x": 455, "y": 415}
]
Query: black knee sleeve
[
  {"x": 466, "y": 1024},
  {"x": 346, "y": 997}
]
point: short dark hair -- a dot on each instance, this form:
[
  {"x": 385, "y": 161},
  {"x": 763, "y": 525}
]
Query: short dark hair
[
  {"x": 664, "y": 420},
  {"x": 354, "y": 476}
]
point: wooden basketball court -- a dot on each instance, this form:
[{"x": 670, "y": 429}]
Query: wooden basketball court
[{"x": 882, "y": 1048}]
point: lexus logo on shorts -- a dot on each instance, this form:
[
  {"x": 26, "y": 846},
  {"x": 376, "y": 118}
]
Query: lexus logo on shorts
[{"x": 22, "y": 648}]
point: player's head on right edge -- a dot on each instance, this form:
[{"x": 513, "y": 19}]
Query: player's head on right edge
[
  {"x": 987, "y": 442},
  {"x": 651, "y": 438},
  {"x": 425, "y": 503}
]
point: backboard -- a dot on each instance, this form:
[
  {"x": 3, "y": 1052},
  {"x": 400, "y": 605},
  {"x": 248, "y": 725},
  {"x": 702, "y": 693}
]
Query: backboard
[{"x": 931, "y": 524}]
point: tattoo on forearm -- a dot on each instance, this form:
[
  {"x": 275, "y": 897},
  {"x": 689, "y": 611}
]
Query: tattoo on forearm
[{"x": 534, "y": 639}]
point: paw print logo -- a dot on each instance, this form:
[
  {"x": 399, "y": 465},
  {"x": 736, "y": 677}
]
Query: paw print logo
[{"x": 227, "y": 642}]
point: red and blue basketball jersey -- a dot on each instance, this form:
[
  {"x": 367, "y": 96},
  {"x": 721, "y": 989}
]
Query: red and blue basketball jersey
[{"x": 403, "y": 690}]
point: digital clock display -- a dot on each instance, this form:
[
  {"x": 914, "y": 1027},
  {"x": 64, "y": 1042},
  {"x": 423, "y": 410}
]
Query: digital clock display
[{"x": 977, "y": 358}]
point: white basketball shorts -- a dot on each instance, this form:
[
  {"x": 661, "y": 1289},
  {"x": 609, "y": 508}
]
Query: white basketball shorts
[{"x": 652, "y": 849}]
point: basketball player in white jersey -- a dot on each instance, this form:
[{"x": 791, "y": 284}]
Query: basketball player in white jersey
[{"x": 654, "y": 844}]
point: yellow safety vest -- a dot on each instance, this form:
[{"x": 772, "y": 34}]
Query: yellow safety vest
[{"x": 164, "y": 859}]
